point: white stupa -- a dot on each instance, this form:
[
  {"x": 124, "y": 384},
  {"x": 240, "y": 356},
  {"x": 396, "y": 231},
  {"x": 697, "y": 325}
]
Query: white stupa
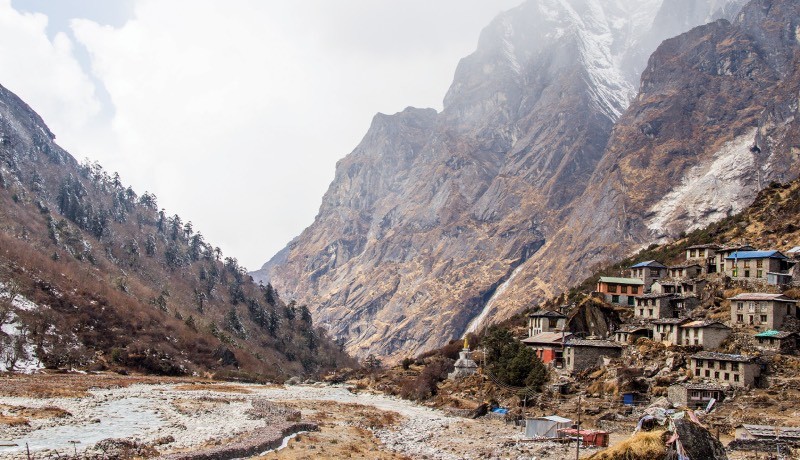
[{"x": 465, "y": 366}]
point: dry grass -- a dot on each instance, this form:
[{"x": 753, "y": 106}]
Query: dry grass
[
  {"x": 11, "y": 420},
  {"x": 641, "y": 446},
  {"x": 220, "y": 388}
]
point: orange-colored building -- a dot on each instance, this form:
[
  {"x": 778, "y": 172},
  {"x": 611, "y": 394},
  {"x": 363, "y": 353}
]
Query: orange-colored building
[
  {"x": 549, "y": 346},
  {"x": 622, "y": 291}
]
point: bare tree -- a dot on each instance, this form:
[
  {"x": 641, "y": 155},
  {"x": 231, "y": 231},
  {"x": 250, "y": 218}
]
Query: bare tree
[{"x": 8, "y": 293}]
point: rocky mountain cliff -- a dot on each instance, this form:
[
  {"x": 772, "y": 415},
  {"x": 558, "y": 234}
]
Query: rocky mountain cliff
[
  {"x": 438, "y": 222},
  {"x": 93, "y": 275}
]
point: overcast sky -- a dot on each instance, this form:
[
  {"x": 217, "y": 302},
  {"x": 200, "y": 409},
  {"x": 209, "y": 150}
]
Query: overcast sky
[{"x": 232, "y": 112}]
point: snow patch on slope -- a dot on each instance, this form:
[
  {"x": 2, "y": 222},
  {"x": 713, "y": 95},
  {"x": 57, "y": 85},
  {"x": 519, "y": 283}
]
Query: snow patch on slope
[
  {"x": 17, "y": 353},
  {"x": 710, "y": 191}
]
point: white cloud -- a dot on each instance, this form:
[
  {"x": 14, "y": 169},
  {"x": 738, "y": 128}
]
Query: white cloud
[
  {"x": 44, "y": 73},
  {"x": 234, "y": 113}
]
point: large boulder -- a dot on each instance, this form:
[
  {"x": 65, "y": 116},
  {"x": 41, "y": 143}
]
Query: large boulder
[{"x": 698, "y": 442}]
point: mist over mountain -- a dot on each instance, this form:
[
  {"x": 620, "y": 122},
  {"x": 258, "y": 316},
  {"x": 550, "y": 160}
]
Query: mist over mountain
[{"x": 571, "y": 136}]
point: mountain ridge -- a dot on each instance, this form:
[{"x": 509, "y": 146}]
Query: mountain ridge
[{"x": 519, "y": 140}]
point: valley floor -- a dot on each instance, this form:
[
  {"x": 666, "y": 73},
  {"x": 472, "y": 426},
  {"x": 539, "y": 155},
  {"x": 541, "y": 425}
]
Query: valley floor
[{"x": 162, "y": 416}]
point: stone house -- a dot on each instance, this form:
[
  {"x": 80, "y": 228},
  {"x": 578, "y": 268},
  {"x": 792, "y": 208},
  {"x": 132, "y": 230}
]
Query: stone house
[
  {"x": 630, "y": 333},
  {"x": 705, "y": 255},
  {"x": 549, "y": 346},
  {"x": 756, "y": 265},
  {"x": 621, "y": 291},
  {"x": 694, "y": 395},
  {"x": 545, "y": 321},
  {"x": 735, "y": 370},
  {"x": 667, "y": 329},
  {"x": 688, "y": 270},
  {"x": 724, "y": 252},
  {"x": 785, "y": 434},
  {"x": 585, "y": 354},
  {"x": 684, "y": 286},
  {"x": 707, "y": 334},
  {"x": 649, "y": 272},
  {"x": 777, "y": 341},
  {"x": 656, "y": 306},
  {"x": 762, "y": 311}
]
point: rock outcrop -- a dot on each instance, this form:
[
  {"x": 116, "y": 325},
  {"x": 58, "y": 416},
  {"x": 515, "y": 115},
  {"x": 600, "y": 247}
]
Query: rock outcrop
[{"x": 537, "y": 168}]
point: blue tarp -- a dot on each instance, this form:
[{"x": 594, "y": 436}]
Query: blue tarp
[{"x": 500, "y": 410}]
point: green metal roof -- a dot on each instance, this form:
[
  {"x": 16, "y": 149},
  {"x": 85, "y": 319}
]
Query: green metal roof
[
  {"x": 767, "y": 334},
  {"x": 612, "y": 280}
]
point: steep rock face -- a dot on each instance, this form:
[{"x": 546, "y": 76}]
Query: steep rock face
[
  {"x": 433, "y": 219},
  {"x": 714, "y": 122}
]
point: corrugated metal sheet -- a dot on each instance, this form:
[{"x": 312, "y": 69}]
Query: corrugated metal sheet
[
  {"x": 756, "y": 255},
  {"x": 543, "y": 427},
  {"x": 649, "y": 263},
  {"x": 613, "y": 280}
]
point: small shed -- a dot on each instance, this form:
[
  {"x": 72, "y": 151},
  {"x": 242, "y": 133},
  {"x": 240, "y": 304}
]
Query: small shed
[
  {"x": 594, "y": 438},
  {"x": 546, "y": 427},
  {"x": 779, "y": 341}
]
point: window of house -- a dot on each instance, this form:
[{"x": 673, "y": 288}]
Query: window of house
[
  {"x": 751, "y": 319},
  {"x": 759, "y": 263},
  {"x": 763, "y": 318},
  {"x": 691, "y": 253},
  {"x": 650, "y": 312},
  {"x": 710, "y": 364},
  {"x": 696, "y": 342},
  {"x": 716, "y": 375},
  {"x": 746, "y": 263},
  {"x": 641, "y": 312},
  {"x": 727, "y": 376},
  {"x": 759, "y": 273},
  {"x": 697, "y": 372},
  {"x": 623, "y": 289},
  {"x": 746, "y": 273},
  {"x": 739, "y": 318},
  {"x": 708, "y": 373},
  {"x": 723, "y": 365},
  {"x": 700, "y": 363},
  {"x": 740, "y": 305},
  {"x": 634, "y": 289},
  {"x": 615, "y": 299},
  {"x": 735, "y": 377},
  {"x": 612, "y": 288}
]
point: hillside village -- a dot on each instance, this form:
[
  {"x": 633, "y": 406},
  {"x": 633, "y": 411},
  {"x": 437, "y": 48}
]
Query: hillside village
[{"x": 678, "y": 340}]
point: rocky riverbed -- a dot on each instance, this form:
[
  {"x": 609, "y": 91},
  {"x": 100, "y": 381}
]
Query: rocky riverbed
[{"x": 170, "y": 418}]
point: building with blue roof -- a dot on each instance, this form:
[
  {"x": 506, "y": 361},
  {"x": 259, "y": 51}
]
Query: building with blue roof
[
  {"x": 649, "y": 272},
  {"x": 771, "y": 267}
]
